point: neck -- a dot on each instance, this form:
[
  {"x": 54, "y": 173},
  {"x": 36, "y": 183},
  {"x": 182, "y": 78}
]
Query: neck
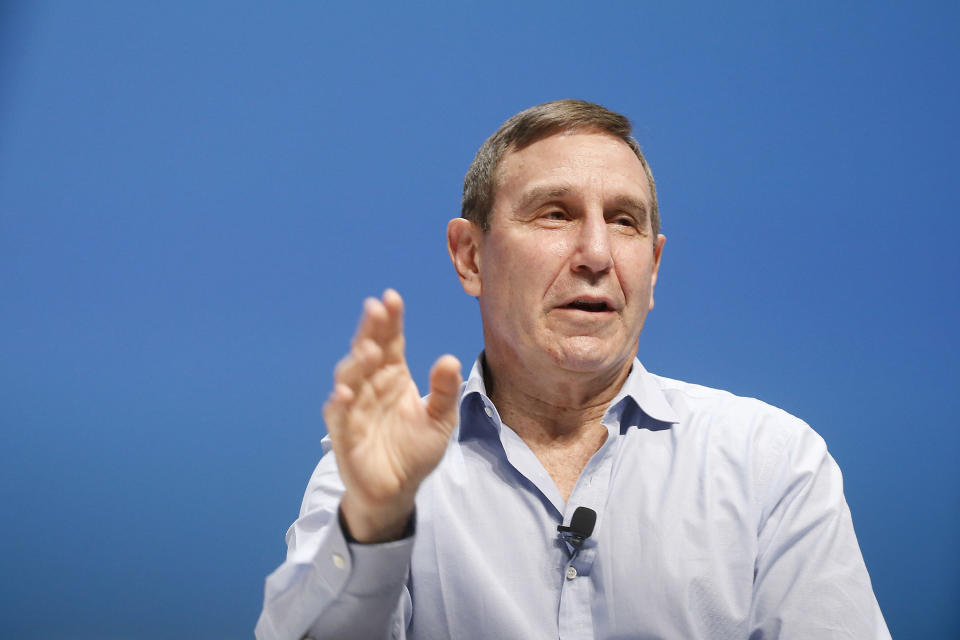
[{"x": 550, "y": 406}]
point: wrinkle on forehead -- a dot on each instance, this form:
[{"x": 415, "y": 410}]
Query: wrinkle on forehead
[
  {"x": 587, "y": 155},
  {"x": 594, "y": 165}
]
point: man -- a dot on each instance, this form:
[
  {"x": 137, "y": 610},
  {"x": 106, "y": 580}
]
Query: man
[{"x": 716, "y": 516}]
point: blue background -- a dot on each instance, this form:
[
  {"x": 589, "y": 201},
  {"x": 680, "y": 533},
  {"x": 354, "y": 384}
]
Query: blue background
[{"x": 195, "y": 199}]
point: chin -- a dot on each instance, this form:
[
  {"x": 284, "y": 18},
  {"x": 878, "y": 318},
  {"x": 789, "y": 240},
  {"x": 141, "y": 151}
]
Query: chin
[{"x": 586, "y": 355}]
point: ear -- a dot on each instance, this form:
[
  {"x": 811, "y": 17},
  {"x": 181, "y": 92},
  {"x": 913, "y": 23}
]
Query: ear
[
  {"x": 463, "y": 243},
  {"x": 657, "y": 253}
]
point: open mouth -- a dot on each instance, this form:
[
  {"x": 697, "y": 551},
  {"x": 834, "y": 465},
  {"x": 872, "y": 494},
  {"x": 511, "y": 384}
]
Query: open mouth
[{"x": 589, "y": 305}]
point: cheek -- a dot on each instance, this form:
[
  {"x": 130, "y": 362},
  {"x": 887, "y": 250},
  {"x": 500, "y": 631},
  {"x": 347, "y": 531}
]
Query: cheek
[
  {"x": 535, "y": 262},
  {"x": 635, "y": 279}
]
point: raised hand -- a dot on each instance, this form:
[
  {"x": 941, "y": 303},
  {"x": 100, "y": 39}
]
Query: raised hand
[{"x": 387, "y": 439}]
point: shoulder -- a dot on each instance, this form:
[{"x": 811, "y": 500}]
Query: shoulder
[
  {"x": 704, "y": 407},
  {"x": 743, "y": 430}
]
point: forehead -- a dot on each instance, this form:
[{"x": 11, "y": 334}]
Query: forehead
[{"x": 577, "y": 162}]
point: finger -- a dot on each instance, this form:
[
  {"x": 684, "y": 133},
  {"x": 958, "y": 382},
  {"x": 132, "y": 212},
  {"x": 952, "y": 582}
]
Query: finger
[
  {"x": 392, "y": 339},
  {"x": 338, "y": 402},
  {"x": 394, "y": 306},
  {"x": 373, "y": 318},
  {"x": 335, "y": 410},
  {"x": 358, "y": 365},
  {"x": 445, "y": 383},
  {"x": 389, "y": 330}
]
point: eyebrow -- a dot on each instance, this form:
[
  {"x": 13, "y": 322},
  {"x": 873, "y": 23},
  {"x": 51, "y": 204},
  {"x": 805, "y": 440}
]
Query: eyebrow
[{"x": 540, "y": 194}]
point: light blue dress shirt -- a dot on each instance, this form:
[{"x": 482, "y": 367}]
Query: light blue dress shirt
[{"x": 717, "y": 517}]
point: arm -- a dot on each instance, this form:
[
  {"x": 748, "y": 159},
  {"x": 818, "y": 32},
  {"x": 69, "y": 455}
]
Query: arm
[
  {"x": 810, "y": 578},
  {"x": 329, "y": 586},
  {"x": 386, "y": 440}
]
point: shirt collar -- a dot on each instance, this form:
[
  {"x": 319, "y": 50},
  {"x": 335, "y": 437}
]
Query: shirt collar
[{"x": 640, "y": 386}]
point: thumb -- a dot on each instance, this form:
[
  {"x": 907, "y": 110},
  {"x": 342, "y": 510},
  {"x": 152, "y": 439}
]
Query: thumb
[{"x": 444, "y": 390}]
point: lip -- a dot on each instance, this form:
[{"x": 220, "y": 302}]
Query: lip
[{"x": 611, "y": 307}]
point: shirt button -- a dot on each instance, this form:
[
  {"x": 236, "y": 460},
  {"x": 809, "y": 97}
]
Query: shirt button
[
  {"x": 338, "y": 561},
  {"x": 571, "y": 573},
  {"x": 488, "y": 411}
]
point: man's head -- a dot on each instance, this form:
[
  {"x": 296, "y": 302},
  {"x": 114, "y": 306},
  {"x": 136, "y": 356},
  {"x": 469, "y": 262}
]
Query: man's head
[
  {"x": 565, "y": 269},
  {"x": 529, "y": 126}
]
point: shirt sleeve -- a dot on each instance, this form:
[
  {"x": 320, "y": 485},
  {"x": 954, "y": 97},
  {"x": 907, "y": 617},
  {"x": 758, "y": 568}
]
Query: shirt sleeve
[
  {"x": 810, "y": 578},
  {"x": 329, "y": 587}
]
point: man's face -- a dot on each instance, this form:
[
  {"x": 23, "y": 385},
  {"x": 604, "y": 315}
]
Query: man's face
[{"x": 567, "y": 269}]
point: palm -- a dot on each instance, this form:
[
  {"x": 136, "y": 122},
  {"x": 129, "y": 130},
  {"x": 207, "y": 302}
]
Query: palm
[
  {"x": 394, "y": 442},
  {"x": 386, "y": 438}
]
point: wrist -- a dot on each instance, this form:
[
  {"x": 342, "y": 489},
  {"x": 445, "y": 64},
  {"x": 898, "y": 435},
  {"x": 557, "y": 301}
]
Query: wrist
[{"x": 371, "y": 525}]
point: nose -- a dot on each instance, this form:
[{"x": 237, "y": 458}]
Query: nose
[{"x": 593, "y": 245}]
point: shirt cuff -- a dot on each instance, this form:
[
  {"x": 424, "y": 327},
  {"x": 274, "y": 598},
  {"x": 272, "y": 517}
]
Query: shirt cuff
[{"x": 376, "y": 568}]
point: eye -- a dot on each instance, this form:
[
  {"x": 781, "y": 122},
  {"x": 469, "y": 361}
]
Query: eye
[
  {"x": 555, "y": 214},
  {"x": 624, "y": 221}
]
